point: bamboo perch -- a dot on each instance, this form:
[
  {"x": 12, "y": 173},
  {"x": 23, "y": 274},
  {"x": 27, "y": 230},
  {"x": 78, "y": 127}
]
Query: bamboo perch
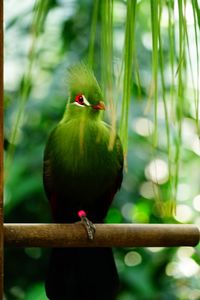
[{"x": 107, "y": 235}]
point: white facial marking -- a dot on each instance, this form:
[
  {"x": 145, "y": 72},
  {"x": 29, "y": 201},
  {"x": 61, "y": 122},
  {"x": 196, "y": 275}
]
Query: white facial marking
[
  {"x": 85, "y": 101},
  {"x": 76, "y": 103}
]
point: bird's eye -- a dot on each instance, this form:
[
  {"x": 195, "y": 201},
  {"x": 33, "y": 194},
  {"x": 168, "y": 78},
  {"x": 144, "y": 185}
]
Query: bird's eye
[{"x": 79, "y": 99}]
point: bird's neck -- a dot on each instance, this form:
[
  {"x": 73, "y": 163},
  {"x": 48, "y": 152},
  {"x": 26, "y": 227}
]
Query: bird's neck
[{"x": 88, "y": 114}]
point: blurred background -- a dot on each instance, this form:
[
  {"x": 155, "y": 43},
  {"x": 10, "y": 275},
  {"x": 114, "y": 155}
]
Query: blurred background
[{"x": 43, "y": 38}]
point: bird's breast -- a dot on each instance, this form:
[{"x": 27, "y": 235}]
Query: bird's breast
[{"x": 80, "y": 158}]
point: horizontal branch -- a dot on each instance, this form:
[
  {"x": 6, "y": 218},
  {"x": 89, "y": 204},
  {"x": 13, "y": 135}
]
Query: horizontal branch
[{"x": 107, "y": 235}]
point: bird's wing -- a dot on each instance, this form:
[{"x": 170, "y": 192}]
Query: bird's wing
[
  {"x": 47, "y": 169},
  {"x": 102, "y": 206},
  {"x": 48, "y": 181}
]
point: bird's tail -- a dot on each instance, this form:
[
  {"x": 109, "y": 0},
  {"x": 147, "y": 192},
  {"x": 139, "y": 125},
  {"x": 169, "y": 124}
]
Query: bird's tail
[{"x": 82, "y": 274}]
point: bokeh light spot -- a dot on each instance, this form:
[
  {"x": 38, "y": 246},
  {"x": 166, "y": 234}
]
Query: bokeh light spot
[
  {"x": 127, "y": 211},
  {"x": 148, "y": 189},
  {"x": 157, "y": 171},
  {"x": 185, "y": 252},
  {"x": 196, "y": 203},
  {"x": 147, "y": 40},
  {"x": 17, "y": 292},
  {"x": 188, "y": 267},
  {"x": 113, "y": 216},
  {"x": 183, "y": 213},
  {"x": 34, "y": 253},
  {"x": 132, "y": 259},
  {"x": 171, "y": 269},
  {"x": 196, "y": 145},
  {"x": 155, "y": 249},
  {"x": 143, "y": 126}
]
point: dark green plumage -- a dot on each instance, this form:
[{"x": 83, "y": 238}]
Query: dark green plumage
[{"x": 81, "y": 173}]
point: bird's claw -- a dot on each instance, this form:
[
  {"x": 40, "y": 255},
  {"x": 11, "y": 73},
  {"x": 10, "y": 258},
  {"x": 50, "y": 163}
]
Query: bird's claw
[{"x": 89, "y": 226}]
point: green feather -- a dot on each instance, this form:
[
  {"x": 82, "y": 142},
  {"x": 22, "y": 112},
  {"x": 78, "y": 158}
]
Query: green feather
[{"x": 81, "y": 80}]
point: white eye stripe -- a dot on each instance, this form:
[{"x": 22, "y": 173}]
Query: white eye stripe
[
  {"x": 85, "y": 101},
  {"x": 76, "y": 103}
]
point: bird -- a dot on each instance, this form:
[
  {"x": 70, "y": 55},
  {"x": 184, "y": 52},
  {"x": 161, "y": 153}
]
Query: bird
[{"x": 81, "y": 175}]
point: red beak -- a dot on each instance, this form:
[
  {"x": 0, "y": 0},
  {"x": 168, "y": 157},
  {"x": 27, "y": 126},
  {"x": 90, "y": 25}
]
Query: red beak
[{"x": 99, "y": 106}]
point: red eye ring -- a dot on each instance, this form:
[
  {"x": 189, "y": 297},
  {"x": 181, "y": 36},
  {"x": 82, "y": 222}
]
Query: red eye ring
[{"x": 79, "y": 99}]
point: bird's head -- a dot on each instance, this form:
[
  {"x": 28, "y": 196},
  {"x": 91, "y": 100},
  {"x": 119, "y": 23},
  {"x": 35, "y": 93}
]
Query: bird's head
[{"x": 84, "y": 91}]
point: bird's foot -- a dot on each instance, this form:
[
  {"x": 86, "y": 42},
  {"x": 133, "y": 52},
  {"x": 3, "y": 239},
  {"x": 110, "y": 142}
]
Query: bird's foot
[{"x": 89, "y": 226}]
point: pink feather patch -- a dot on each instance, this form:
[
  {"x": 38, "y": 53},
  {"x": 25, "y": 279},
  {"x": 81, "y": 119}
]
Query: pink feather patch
[{"x": 81, "y": 213}]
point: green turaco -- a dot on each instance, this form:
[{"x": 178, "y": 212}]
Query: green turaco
[{"x": 81, "y": 176}]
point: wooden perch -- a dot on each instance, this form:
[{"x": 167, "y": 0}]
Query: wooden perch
[{"x": 107, "y": 235}]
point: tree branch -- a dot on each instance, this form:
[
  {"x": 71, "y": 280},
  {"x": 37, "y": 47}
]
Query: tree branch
[{"x": 107, "y": 235}]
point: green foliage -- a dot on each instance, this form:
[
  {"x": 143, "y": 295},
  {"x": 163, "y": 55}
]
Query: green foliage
[
  {"x": 146, "y": 54},
  {"x": 154, "y": 27},
  {"x": 128, "y": 63}
]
